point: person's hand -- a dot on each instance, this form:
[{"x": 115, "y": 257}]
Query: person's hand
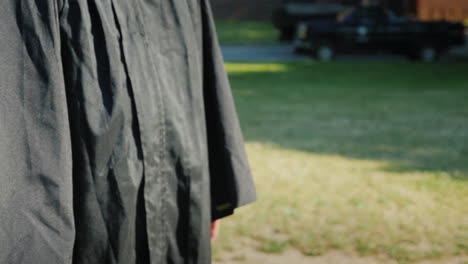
[{"x": 214, "y": 230}]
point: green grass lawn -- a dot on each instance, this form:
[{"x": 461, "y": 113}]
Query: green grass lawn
[
  {"x": 232, "y": 32},
  {"x": 366, "y": 157}
]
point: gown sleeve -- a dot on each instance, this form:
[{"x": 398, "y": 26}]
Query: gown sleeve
[
  {"x": 231, "y": 181},
  {"x": 36, "y": 215}
]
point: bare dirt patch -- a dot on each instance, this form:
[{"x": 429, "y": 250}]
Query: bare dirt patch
[{"x": 293, "y": 256}]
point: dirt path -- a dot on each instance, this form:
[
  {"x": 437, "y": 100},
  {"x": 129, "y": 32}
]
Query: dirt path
[{"x": 291, "y": 256}]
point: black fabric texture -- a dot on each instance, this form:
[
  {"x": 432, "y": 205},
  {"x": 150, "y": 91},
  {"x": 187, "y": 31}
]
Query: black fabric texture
[{"x": 119, "y": 139}]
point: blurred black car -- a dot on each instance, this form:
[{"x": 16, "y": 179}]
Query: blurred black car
[
  {"x": 374, "y": 28},
  {"x": 290, "y": 13}
]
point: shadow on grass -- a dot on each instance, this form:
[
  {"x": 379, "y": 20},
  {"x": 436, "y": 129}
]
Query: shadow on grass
[
  {"x": 412, "y": 115},
  {"x": 235, "y": 32}
]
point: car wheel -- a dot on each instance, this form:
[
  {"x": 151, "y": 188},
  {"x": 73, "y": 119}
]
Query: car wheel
[
  {"x": 325, "y": 52},
  {"x": 428, "y": 54},
  {"x": 412, "y": 56}
]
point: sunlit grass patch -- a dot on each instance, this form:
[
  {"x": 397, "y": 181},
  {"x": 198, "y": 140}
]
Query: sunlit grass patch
[
  {"x": 274, "y": 246},
  {"x": 363, "y": 157},
  {"x": 321, "y": 202},
  {"x": 258, "y": 67}
]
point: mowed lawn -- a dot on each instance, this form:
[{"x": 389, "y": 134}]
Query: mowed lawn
[
  {"x": 235, "y": 32},
  {"x": 361, "y": 157}
]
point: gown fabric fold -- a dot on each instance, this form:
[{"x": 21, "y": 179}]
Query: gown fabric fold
[{"x": 119, "y": 139}]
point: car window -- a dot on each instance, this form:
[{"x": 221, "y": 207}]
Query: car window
[
  {"x": 370, "y": 15},
  {"x": 347, "y": 16},
  {"x": 393, "y": 18}
]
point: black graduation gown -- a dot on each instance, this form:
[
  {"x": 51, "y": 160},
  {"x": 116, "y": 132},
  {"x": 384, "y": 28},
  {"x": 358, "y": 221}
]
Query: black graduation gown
[{"x": 119, "y": 140}]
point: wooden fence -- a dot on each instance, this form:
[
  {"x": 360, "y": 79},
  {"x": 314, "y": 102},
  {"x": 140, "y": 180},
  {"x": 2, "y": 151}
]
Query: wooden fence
[{"x": 451, "y": 10}]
